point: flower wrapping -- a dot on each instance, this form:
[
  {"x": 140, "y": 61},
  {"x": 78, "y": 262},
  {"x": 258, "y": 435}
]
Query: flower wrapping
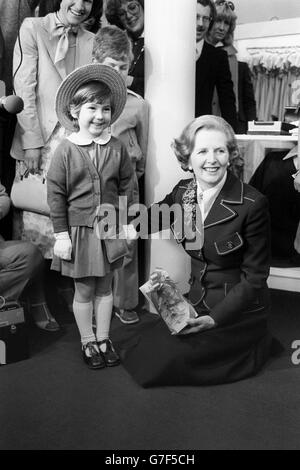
[{"x": 168, "y": 302}]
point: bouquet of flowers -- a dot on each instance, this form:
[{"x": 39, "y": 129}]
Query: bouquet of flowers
[{"x": 168, "y": 301}]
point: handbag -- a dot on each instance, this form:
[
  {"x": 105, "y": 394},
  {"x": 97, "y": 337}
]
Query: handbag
[{"x": 29, "y": 193}]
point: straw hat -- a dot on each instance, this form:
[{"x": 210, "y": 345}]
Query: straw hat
[{"x": 81, "y": 76}]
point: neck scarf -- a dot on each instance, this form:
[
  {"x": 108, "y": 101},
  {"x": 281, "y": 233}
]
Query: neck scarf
[{"x": 62, "y": 31}]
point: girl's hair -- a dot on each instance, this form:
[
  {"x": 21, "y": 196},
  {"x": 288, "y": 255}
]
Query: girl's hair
[
  {"x": 184, "y": 145},
  {"x": 111, "y": 41},
  {"x": 111, "y": 11},
  {"x": 225, "y": 12},
  {"x": 91, "y": 92}
]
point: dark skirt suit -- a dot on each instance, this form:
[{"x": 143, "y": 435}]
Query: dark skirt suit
[{"x": 228, "y": 282}]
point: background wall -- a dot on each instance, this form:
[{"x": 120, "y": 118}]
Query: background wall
[{"x": 252, "y": 11}]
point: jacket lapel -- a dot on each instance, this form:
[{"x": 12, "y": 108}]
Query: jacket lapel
[
  {"x": 48, "y": 24},
  {"x": 84, "y": 46},
  {"x": 231, "y": 193}
]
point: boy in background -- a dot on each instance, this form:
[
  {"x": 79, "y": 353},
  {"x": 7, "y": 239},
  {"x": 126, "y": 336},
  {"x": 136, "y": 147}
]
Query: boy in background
[{"x": 113, "y": 48}]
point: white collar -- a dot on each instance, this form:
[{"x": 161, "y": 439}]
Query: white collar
[
  {"x": 292, "y": 153},
  {"x": 199, "y": 47},
  {"x": 207, "y": 197},
  {"x": 77, "y": 139}
]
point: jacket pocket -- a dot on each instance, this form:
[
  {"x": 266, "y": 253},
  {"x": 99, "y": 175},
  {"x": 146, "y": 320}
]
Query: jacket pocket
[{"x": 229, "y": 244}]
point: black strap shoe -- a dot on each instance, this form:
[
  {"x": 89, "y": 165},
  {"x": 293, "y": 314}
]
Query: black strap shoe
[
  {"x": 110, "y": 356},
  {"x": 92, "y": 356}
]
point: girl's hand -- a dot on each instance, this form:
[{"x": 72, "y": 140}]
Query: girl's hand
[
  {"x": 63, "y": 246},
  {"x": 32, "y": 159},
  {"x": 199, "y": 324},
  {"x": 130, "y": 232}
]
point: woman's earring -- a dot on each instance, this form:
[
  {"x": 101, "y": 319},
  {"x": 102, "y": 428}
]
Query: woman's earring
[{"x": 109, "y": 129}]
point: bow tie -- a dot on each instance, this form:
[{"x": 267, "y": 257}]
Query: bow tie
[{"x": 62, "y": 31}]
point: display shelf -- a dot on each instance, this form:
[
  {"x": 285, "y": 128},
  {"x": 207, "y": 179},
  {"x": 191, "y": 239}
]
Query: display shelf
[{"x": 285, "y": 279}]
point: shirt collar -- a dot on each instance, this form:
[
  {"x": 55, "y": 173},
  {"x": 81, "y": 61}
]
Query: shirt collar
[
  {"x": 292, "y": 153},
  {"x": 199, "y": 47},
  {"x": 77, "y": 139},
  {"x": 207, "y": 198}
]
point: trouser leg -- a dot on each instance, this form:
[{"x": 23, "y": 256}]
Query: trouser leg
[
  {"x": 126, "y": 281},
  {"x": 19, "y": 263}
]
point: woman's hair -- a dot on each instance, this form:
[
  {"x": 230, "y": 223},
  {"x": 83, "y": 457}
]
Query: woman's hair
[
  {"x": 50, "y": 6},
  {"x": 91, "y": 92},
  {"x": 184, "y": 145},
  {"x": 112, "y": 8},
  {"x": 225, "y": 12},
  {"x": 111, "y": 41}
]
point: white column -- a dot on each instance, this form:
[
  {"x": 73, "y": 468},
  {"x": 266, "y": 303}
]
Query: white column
[{"x": 170, "y": 38}]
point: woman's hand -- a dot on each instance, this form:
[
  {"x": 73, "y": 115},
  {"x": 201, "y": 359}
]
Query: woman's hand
[
  {"x": 297, "y": 182},
  {"x": 297, "y": 240},
  {"x": 198, "y": 324},
  {"x": 154, "y": 281},
  {"x": 32, "y": 159},
  {"x": 129, "y": 80}
]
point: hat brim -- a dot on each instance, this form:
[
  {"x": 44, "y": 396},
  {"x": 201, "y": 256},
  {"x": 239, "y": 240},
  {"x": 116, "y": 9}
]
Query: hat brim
[{"x": 85, "y": 74}]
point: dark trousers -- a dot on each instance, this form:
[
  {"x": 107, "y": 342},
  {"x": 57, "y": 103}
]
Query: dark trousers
[{"x": 19, "y": 264}]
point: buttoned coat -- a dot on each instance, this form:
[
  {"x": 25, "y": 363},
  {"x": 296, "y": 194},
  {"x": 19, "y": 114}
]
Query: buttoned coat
[
  {"x": 228, "y": 282},
  {"x": 37, "y": 78},
  {"x": 229, "y": 273}
]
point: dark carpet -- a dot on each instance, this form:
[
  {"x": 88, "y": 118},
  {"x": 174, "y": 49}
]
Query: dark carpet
[{"x": 52, "y": 401}]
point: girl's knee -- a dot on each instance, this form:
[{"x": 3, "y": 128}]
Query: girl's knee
[
  {"x": 104, "y": 286},
  {"x": 84, "y": 290}
]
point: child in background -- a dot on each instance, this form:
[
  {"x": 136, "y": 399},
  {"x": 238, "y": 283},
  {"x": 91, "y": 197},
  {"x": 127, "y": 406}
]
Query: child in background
[
  {"x": 112, "y": 47},
  {"x": 90, "y": 170}
]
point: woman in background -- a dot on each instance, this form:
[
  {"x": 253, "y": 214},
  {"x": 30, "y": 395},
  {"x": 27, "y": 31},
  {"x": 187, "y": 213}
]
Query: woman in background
[
  {"x": 48, "y": 49},
  {"x": 221, "y": 35},
  {"x": 129, "y": 15}
]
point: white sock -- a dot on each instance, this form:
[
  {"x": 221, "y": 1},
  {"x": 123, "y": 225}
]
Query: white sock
[
  {"x": 83, "y": 313},
  {"x": 103, "y": 311}
]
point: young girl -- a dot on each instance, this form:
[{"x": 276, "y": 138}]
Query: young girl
[{"x": 90, "y": 169}]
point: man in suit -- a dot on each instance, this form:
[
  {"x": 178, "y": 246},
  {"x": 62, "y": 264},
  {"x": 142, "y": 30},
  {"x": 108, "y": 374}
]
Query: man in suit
[
  {"x": 19, "y": 261},
  {"x": 246, "y": 101},
  {"x": 212, "y": 69}
]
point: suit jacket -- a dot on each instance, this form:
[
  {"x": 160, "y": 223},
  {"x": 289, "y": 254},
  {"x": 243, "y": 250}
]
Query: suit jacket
[
  {"x": 212, "y": 70},
  {"x": 12, "y": 14},
  {"x": 37, "y": 79},
  {"x": 132, "y": 129},
  {"x": 229, "y": 273},
  {"x": 137, "y": 69},
  {"x": 247, "y": 103},
  {"x": 4, "y": 202}
]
